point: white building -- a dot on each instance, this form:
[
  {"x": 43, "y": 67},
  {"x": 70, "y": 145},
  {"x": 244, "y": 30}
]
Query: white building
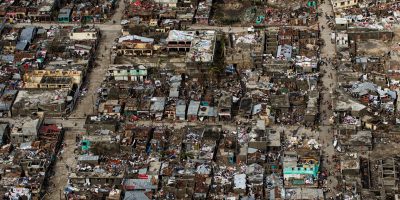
[
  {"x": 169, "y": 3},
  {"x": 342, "y": 40},
  {"x": 84, "y": 34}
]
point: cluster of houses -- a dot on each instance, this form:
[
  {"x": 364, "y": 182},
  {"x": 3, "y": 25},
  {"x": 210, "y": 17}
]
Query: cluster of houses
[
  {"x": 201, "y": 113},
  {"x": 44, "y": 70},
  {"x": 29, "y": 149},
  {"x": 57, "y": 10},
  {"x": 366, "y": 104}
]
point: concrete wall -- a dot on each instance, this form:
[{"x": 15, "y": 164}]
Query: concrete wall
[
  {"x": 16, "y": 139},
  {"x": 83, "y": 36},
  {"x": 98, "y": 180},
  {"x": 91, "y": 128},
  {"x": 367, "y": 35}
]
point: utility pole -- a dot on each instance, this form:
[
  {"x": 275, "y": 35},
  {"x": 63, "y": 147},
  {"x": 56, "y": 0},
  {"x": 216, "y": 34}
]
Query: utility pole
[{"x": 93, "y": 105}]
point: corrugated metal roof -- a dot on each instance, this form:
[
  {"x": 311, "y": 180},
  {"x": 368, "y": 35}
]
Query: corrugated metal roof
[
  {"x": 65, "y": 12},
  {"x": 158, "y": 104},
  {"x": 21, "y": 45},
  {"x": 135, "y": 195},
  {"x": 139, "y": 184},
  {"x": 27, "y": 34},
  {"x": 193, "y": 108},
  {"x": 180, "y": 108},
  {"x": 88, "y": 158},
  {"x": 3, "y": 128}
]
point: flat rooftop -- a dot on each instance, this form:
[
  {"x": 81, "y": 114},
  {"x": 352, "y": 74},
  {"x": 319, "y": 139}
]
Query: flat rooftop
[
  {"x": 33, "y": 97},
  {"x": 202, "y": 47},
  {"x": 56, "y": 80},
  {"x": 176, "y": 35}
]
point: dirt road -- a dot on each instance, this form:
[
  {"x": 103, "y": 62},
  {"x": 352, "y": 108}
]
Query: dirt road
[
  {"x": 329, "y": 82},
  {"x": 109, "y": 32},
  {"x": 86, "y": 106},
  {"x": 60, "y": 178}
]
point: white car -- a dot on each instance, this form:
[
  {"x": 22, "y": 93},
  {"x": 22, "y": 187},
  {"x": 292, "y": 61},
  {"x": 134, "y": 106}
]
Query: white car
[
  {"x": 124, "y": 22},
  {"x": 250, "y": 29}
]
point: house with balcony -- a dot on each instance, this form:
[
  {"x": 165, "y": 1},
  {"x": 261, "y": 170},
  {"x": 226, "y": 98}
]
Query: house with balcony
[
  {"x": 179, "y": 41},
  {"x": 167, "y": 3},
  {"x": 300, "y": 170},
  {"x": 26, "y": 129},
  {"x": 16, "y": 13},
  {"x": 342, "y": 4},
  {"x": 42, "y": 10},
  {"x": 127, "y": 72},
  {"x": 64, "y": 15},
  {"x": 84, "y": 33},
  {"x": 110, "y": 107},
  {"x": 134, "y": 45},
  {"x": 225, "y": 108},
  {"x": 52, "y": 79}
]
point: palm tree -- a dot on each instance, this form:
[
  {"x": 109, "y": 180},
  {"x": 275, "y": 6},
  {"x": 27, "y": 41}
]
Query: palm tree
[{"x": 214, "y": 71}]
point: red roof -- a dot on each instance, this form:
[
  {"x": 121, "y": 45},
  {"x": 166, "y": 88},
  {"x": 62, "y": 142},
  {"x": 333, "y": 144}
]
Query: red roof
[
  {"x": 51, "y": 128},
  {"x": 137, "y": 3}
]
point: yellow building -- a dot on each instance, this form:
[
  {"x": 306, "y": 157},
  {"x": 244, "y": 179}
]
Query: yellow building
[
  {"x": 339, "y": 4},
  {"x": 52, "y": 79}
]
